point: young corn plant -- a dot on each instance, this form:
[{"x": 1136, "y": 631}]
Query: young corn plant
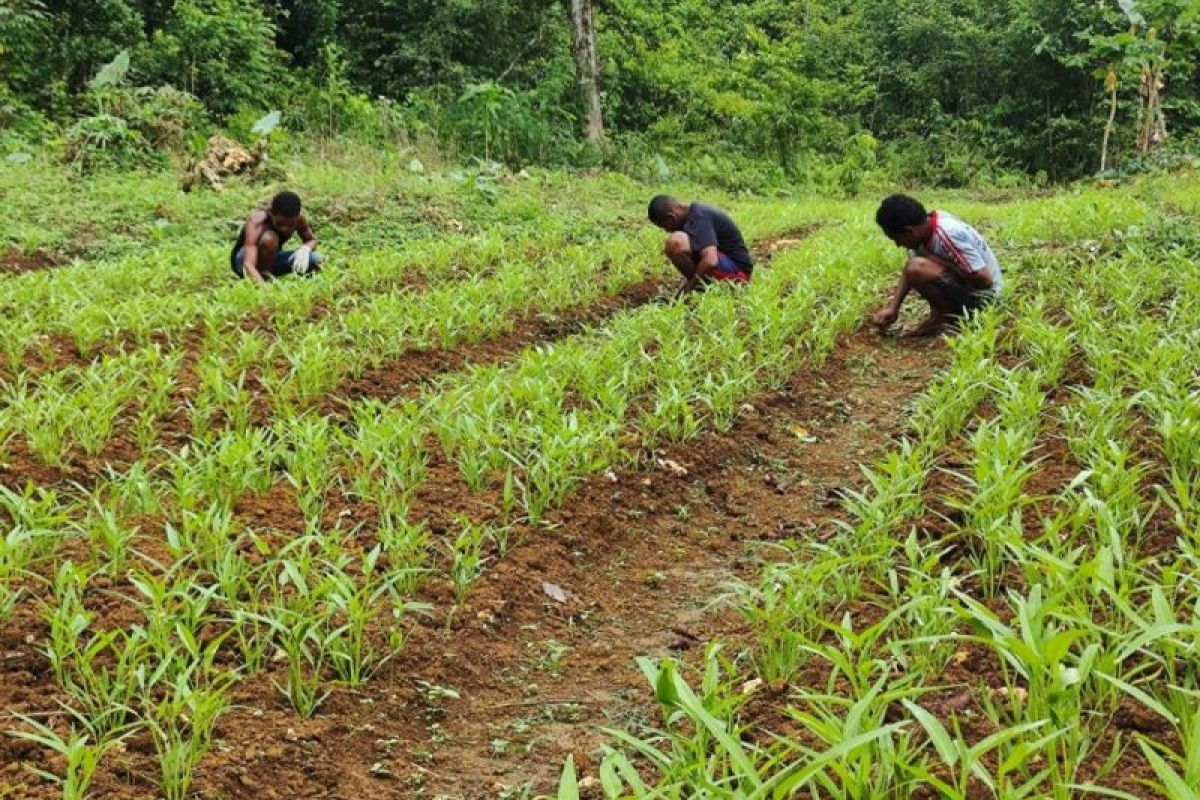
[
  {"x": 875, "y": 766},
  {"x": 299, "y": 622},
  {"x": 356, "y": 598},
  {"x": 407, "y": 549},
  {"x": 110, "y": 537},
  {"x": 20, "y": 550},
  {"x": 991, "y": 510},
  {"x": 782, "y": 609},
  {"x": 997, "y": 761},
  {"x": 81, "y": 756},
  {"x": 1049, "y": 665},
  {"x": 467, "y": 558},
  {"x": 181, "y": 725},
  {"x": 308, "y": 455}
]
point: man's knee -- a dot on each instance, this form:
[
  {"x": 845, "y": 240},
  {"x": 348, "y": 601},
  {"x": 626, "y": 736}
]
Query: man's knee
[
  {"x": 678, "y": 244},
  {"x": 269, "y": 240},
  {"x": 920, "y": 270}
]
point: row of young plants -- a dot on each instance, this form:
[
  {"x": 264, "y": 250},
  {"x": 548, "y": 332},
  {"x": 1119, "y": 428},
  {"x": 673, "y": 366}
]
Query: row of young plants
[
  {"x": 304, "y": 359},
  {"x": 218, "y": 599},
  {"x": 1078, "y": 618},
  {"x": 168, "y": 292}
]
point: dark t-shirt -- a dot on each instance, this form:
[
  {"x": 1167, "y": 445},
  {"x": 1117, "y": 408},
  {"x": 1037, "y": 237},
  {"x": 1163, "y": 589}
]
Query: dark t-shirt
[{"x": 707, "y": 226}]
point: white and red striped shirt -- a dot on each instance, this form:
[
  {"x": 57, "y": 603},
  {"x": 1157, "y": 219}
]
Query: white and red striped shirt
[{"x": 956, "y": 241}]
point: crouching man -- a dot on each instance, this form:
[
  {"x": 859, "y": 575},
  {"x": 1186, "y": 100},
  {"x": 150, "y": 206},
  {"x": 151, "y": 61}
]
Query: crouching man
[
  {"x": 949, "y": 264},
  {"x": 704, "y": 243},
  {"x": 258, "y": 253}
]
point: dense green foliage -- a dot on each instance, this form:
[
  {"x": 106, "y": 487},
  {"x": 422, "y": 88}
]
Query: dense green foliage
[{"x": 824, "y": 90}]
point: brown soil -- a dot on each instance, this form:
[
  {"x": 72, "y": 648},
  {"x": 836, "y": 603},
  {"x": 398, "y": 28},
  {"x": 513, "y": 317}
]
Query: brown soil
[
  {"x": 640, "y": 554},
  {"x": 15, "y": 262}
]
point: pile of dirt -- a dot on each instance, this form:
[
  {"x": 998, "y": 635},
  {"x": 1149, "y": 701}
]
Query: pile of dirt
[{"x": 224, "y": 159}]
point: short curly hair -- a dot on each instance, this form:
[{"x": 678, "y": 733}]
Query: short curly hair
[
  {"x": 286, "y": 203},
  {"x": 898, "y": 212},
  {"x": 659, "y": 207}
]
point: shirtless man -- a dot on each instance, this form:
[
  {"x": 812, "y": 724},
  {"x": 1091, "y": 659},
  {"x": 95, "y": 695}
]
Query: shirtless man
[{"x": 269, "y": 230}]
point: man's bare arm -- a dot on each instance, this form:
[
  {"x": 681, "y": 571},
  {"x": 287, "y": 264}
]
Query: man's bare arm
[
  {"x": 886, "y": 316},
  {"x": 977, "y": 280},
  {"x": 254, "y": 230},
  {"x": 306, "y": 233},
  {"x": 706, "y": 266}
]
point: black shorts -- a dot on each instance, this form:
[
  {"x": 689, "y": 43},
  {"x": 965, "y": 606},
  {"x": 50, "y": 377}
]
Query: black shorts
[
  {"x": 961, "y": 300},
  {"x": 282, "y": 265}
]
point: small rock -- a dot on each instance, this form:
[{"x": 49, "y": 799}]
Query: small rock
[
  {"x": 555, "y": 592},
  {"x": 958, "y": 702},
  {"x": 752, "y": 686},
  {"x": 1019, "y": 693},
  {"x": 673, "y": 466}
]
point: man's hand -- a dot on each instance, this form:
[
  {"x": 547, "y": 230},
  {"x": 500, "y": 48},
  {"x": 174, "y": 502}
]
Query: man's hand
[
  {"x": 687, "y": 287},
  {"x": 887, "y": 317},
  {"x": 300, "y": 260}
]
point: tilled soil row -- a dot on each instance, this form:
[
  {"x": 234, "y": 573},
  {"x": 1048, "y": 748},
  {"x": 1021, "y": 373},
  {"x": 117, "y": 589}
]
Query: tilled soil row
[
  {"x": 496, "y": 693},
  {"x": 402, "y": 376}
]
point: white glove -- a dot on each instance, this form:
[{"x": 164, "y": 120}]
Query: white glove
[{"x": 301, "y": 259}]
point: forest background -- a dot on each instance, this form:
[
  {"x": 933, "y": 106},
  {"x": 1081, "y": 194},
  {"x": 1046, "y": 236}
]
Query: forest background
[{"x": 748, "y": 94}]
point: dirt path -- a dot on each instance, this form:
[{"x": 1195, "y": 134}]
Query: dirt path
[{"x": 493, "y": 698}]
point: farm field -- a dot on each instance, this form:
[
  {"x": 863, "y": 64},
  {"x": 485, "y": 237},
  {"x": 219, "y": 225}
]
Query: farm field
[{"x": 479, "y": 501}]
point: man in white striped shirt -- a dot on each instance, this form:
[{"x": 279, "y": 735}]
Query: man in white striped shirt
[{"x": 949, "y": 264}]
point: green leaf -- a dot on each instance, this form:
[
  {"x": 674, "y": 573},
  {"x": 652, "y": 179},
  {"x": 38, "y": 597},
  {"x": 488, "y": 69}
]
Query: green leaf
[
  {"x": 797, "y": 774},
  {"x": 664, "y": 685},
  {"x": 568, "y": 787},
  {"x": 1174, "y": 786},
  {"x": 1142, "y": 697},
  {"x": 266, "y": 124},
  {"x": 937, "y": 733},
  {"x": 111, "y": 73},
  {"x": 733, "y": 747}
]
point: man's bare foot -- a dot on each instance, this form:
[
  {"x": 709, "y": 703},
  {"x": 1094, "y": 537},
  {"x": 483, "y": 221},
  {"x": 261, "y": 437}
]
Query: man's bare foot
[{"x": 931, "y": 326}]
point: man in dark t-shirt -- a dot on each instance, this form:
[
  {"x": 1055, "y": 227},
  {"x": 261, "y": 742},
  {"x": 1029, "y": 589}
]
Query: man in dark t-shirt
[{"x": 704, "y": 243}]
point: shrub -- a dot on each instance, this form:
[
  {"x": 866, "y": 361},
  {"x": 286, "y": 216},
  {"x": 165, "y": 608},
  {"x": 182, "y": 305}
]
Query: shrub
[{"x": 136, "y": 126}]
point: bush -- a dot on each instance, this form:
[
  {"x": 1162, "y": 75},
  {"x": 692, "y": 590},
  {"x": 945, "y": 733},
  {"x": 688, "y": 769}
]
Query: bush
[
  {"x": 136, "y": 126},
  {"x": 333, "y": 107},
  {"x": 220, "y": 51}
]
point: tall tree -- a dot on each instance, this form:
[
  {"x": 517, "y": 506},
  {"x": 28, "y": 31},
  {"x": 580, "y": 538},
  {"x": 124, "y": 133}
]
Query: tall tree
[{"x": 583, "y": 45}]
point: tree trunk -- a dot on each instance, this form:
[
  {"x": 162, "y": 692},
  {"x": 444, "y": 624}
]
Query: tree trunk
[
  {"x": 583, "y": 45},
  {"x": 1111, "y": 85},
  {"x": 1152, "y": 121}
]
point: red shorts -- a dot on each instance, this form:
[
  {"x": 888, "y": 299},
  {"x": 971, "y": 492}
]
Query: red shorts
[{"x": 729, "y": 271}]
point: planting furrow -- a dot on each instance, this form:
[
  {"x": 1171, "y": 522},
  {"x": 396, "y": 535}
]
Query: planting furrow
[{"x": 893, "y": 662}]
